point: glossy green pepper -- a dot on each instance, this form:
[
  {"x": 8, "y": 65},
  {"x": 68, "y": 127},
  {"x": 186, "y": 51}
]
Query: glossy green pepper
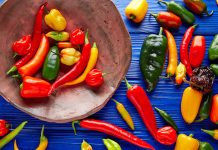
[
  {"x": 180, "y": 11},
  {"x": 214, "y": 67},
  {"x": 152, "y": 58},
  {"x": 213, "y": 50},
  {"x": 51, "y": 65},
  {"x": 111, "y": 145},
  {"x": 205, "y": 146}
]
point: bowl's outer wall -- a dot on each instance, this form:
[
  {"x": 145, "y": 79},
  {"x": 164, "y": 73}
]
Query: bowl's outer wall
[{"x": 105, "y": 26}]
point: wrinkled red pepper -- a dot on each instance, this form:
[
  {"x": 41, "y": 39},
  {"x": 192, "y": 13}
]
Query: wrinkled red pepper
[
  {"x": 166, "y": 135},
  {"x": 34, "y": 87},
  {"x": 22, "y": 46},
  {"x": 94, "y": 78},
  {"x": 4, "y": 127},
  {"x": 77, "y": 37},
  {"x": 36, "y": 38}
]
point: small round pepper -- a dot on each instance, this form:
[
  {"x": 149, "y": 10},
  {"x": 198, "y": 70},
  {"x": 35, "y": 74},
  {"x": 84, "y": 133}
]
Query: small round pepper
[
  {"x": 4, "y": 128},
  {"x": 23, "y": 45},
  {"x": 69, "y": 56},
  {"x": 77, "y": 37},
  {"x": 94, "y": 78},
  {"x": 166, "y": 135}
]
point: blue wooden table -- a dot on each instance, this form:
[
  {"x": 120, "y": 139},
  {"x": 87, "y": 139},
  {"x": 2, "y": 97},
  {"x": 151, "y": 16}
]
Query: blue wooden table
[{"x": 166, "y": 96}]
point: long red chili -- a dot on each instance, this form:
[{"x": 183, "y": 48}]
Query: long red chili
[
  {"x": 140, "y": 100},
  {"x": 77, "y": 69},
  {"x": 184, "y": 49},
  {"x": 37, "y": 31},
  {"x": 110, "y": 129}
]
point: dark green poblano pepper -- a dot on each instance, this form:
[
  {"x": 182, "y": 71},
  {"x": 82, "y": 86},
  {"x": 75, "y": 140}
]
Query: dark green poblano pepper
[
  {"x": 205, "y": 146},
  {"x": 213, "y": 50},
  {"x": 152, "y": 58}
]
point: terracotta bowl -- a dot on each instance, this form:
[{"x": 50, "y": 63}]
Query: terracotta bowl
[{"x": 105, "y": 26}]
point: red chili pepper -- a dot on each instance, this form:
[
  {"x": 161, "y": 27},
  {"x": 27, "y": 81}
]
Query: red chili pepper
[
  {"x": 197, "y": 51},
  {"x": 37, "y": 31},
  {"x": 184, "y": 49},
  {"x": 34, "y": 87},
  {"x": 22, "y": 46},
  {"x": 36, "y": 62},
  {"x": 140, "y": 100},
  {"x": 94, "y": 78},
  {"x": 166, "y": 135},
  {"x": 77, "y": 37},
  {"x": 4, "y": 127},
  {"x": 214, "y": 109},
  {"x": 77, "y": 69},
  {"x": 110, "y": 129}
]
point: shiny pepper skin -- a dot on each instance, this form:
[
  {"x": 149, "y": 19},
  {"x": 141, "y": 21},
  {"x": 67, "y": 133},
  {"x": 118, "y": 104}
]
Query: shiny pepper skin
[
  {"x": 94, "y": 78},
  {"x": 23, "y": 45},
  {"x": 185, "y": 142},
  {"x": 180, "y": 73},
  {"x": 55, "y": 20},
  {"x": 3, "y": 128},
  {"x": 69, "y": 56},
  {"x": 166, "y": 135},
  {"x": 77, "y": 37},
  {"x": 111, "y": 144},
  {"x": 85, "y": 146},
  {"x": 214, "y": 110}
]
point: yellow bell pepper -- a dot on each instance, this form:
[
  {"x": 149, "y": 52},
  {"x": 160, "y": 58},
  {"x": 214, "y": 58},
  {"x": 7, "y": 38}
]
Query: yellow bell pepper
[
  {"x": 185, "y": 142},
  {"x": 43, "y": 141},
  {"x": 91, "y": 64},
  {"x": 136, "y": 10},
  {"x": 69, "y": 56},
  {"x": 191, "y": 101},
  {"x": 55, "y": 20},
  {"x": 15, "y": 145}
]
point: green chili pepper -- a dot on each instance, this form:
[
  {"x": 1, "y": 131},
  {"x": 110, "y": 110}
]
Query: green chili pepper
[
  {"x": 204, "y": 111},
  {"x": 85, "y": 146},
  {"x": 152, "y": 58},
  {"x": 5, "y": 140},
  {"x": 52, "y": 64},
  {"x": 205, "y": 146},
  {"x": 167, "y": 118},
  {"x": 180, "y": 11},
  {"x": 213, "y": 50},
  {"x": 111, "y": 145},
  {"x": 58, "y": 36},
  {"x": 214, "y": 67}
]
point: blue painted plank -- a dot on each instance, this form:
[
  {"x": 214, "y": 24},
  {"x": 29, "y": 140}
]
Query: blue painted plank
[{"x": 166, "y": 96}]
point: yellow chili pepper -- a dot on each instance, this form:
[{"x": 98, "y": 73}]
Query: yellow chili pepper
[
  {"x": 180, "y": 73},
  {"x": 69, "y": 56},
  {"x": 85, "y": 146},
  {"x": 185, "y": 142},
  {"x": 43, "y": 141},
  {"x": 55, "y": 20},
  {"x": 58, "y": 36},
  {"x": 91, "y": 64},
  {"x": 15, "y": 145},
  {"x": 136, "y": 10},
  {"x": 213, "y": 133},
  {"x": 125, "y": 114},
  {"x": 172, "y": 63},
  {"x": 191, "y": 101}
]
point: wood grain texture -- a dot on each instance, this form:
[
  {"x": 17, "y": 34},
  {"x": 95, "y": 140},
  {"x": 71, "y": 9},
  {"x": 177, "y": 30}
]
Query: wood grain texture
[{"x": 166, "y": 96}]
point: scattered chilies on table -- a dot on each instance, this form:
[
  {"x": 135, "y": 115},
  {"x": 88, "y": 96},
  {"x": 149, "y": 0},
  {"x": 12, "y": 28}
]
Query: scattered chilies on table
[
  {"x": 180, "y": 73},
  {"x": 184, "y": 49},
  {"x": 198, "y": 7},
  {"x": 140, "y": 100},
  {"x": 43, "y": 141},
  {"x": 172, "y": 62},
  {"x": 5, "y": 140},
  {"x": 112, "y": 130},
  {"x": 85, "y": 146},
  {"x": 197, "y": 51},
  {"x": 77, "y": 69},
  {"x": 22, "y": 46},
  {"x": 34, "y": 87},
  {"x": 36, "y": 38},
  {"x": 213, "y": 133},
  {"x": 111, "y": 144},
  {"x": 136, "y": 10},
  {"x": 183, "y": 142},
  {"x": 58, "y": 36},
  {"x": 4, "y": 127},
  {"x": 166, "y": 135},
  {"x": 214, "y": 110},
  {"x": 94, "y": 78},
  {"x": 167, "y": 20},
  {"x": 124, "y": 113}
]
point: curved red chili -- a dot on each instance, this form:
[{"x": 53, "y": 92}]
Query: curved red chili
[
  {"x": 184, "y": 49},
  {"x": 167, "y": 135},
  {"x": 94, "y": 78}
]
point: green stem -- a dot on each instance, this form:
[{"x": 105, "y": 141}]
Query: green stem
[
  {"x": 210, "y": 132},
  {"x": 11, "y": 70},
  {"x": 94, "y": 45},
  {"x": 194, "y": 26},
  {"x": 86, "y": 37},
  {"x": 73, "y": 126},
  {"x": 115, "y": 101},
  {"x": 21, "y": 85},
  {"x": 132, "y": 17},
  {"x": 15, "y": 55},
  {"x": 16, "y": 76},
  {"x": 154, "y": 15},
  {"x": 129, "y": 86},
  {"x": 191, "y": 135},
  {"x": 200, "y": 119},
  {"x": 209, "y": 14},
  {"x": 161, "y": 1},
  {"x": 42, "y": 137},
  {"x": 161, "y": 31}
]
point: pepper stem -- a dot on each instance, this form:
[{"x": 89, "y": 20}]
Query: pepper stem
[
  {"x": 161, "y": 1},
  {"x": 115, "y": 101},
  {"x": 210, "y": 132},
  {"x": 127, "y": 84},
  {"x": 11, "y": 70},
  {"x": 194, "y": 26},
  {"x": 200, "y": 119},
  {"x": 94, "y": 45},
  {"x": 16, "y": 76},
  {"x": 42, "y": 137},
  {"x": 132, "y": 17},
  {"x": 15, "y": 55},
  {"x": 209, "y": 14},
  {"x": 191, "y": 135},
  {"x": 154, "y": 15},
  {"x": 21, "y": 85},
  {"x": 86, "y": 37},
  {"x": 73, "y": 126},
  {"x": 161, "y": 31}
]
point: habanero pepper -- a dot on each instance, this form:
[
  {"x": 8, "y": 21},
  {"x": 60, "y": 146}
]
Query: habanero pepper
[
  {"x": 212, "y": 133},
  {"x": 197, "y": 51},
  {"x": 140, "y": 100},
  {"x": 34, "y": 87},
  {"x": 4, "y": 127},
  {"x": 77, "y": 37},
  {"x": 111, "y": 144},
  {"x": 205, "y": 146},
  {"x": 69, "y": 56},
  {"x": 184, "y": 49},
  {"x": 94, "y": 78},
  {"x": 214, "y": 68},
  {"x": 152, "y": 58},
  {"x": 180, "y": 73},
  {"x": 198, "y": 7},
  {"x": 22, "y": 46},
  {"x": 36, "y": 38},
  {"x": 183, "y": 142},
  {"x": 77, "y": 69},
  {"x": 36, "y": 62},
  {"x": 180, "y": 11},
  {"x": 213, "y": 50},
  {"x": 43, "y": 141},
  {"x": 112, "y": 130},
  {"x": 85, "y": 146},
  {"x": 167, "y": 20},
  {"x": 58, "y": 36},
  {"x": 214, "y": 109},
  {"x": 166, "y": 135}
]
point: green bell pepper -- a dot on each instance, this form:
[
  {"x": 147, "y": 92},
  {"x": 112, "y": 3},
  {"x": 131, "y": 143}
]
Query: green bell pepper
[
  {"x": 205, "y": 146},
  {"x": 51, "y": 65},
  {"x": 111, "y": 145},
  {"x": 152, "y": 58},
  {"x": 213, "y": 50}
]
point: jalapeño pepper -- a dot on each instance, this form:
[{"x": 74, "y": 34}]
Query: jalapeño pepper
[
  {"x": 152, "y": 58},
  {"x": 213, "y": 50}
]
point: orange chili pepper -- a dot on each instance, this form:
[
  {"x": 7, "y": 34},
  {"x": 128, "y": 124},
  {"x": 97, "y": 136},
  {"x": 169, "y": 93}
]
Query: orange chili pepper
[
  {"x": 15, "y": 145},
  {"x": 63, "y": 45},
  {"x": 172, "y": 63},
  {"x": 43, "y": 141},
  {"x": 180, "y": 73},
  {"x": 214, "y": 109}
]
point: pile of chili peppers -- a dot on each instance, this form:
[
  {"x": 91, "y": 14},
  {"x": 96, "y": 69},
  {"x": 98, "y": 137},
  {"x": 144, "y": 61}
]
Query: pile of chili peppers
[{"x": 36, "y": 53}]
